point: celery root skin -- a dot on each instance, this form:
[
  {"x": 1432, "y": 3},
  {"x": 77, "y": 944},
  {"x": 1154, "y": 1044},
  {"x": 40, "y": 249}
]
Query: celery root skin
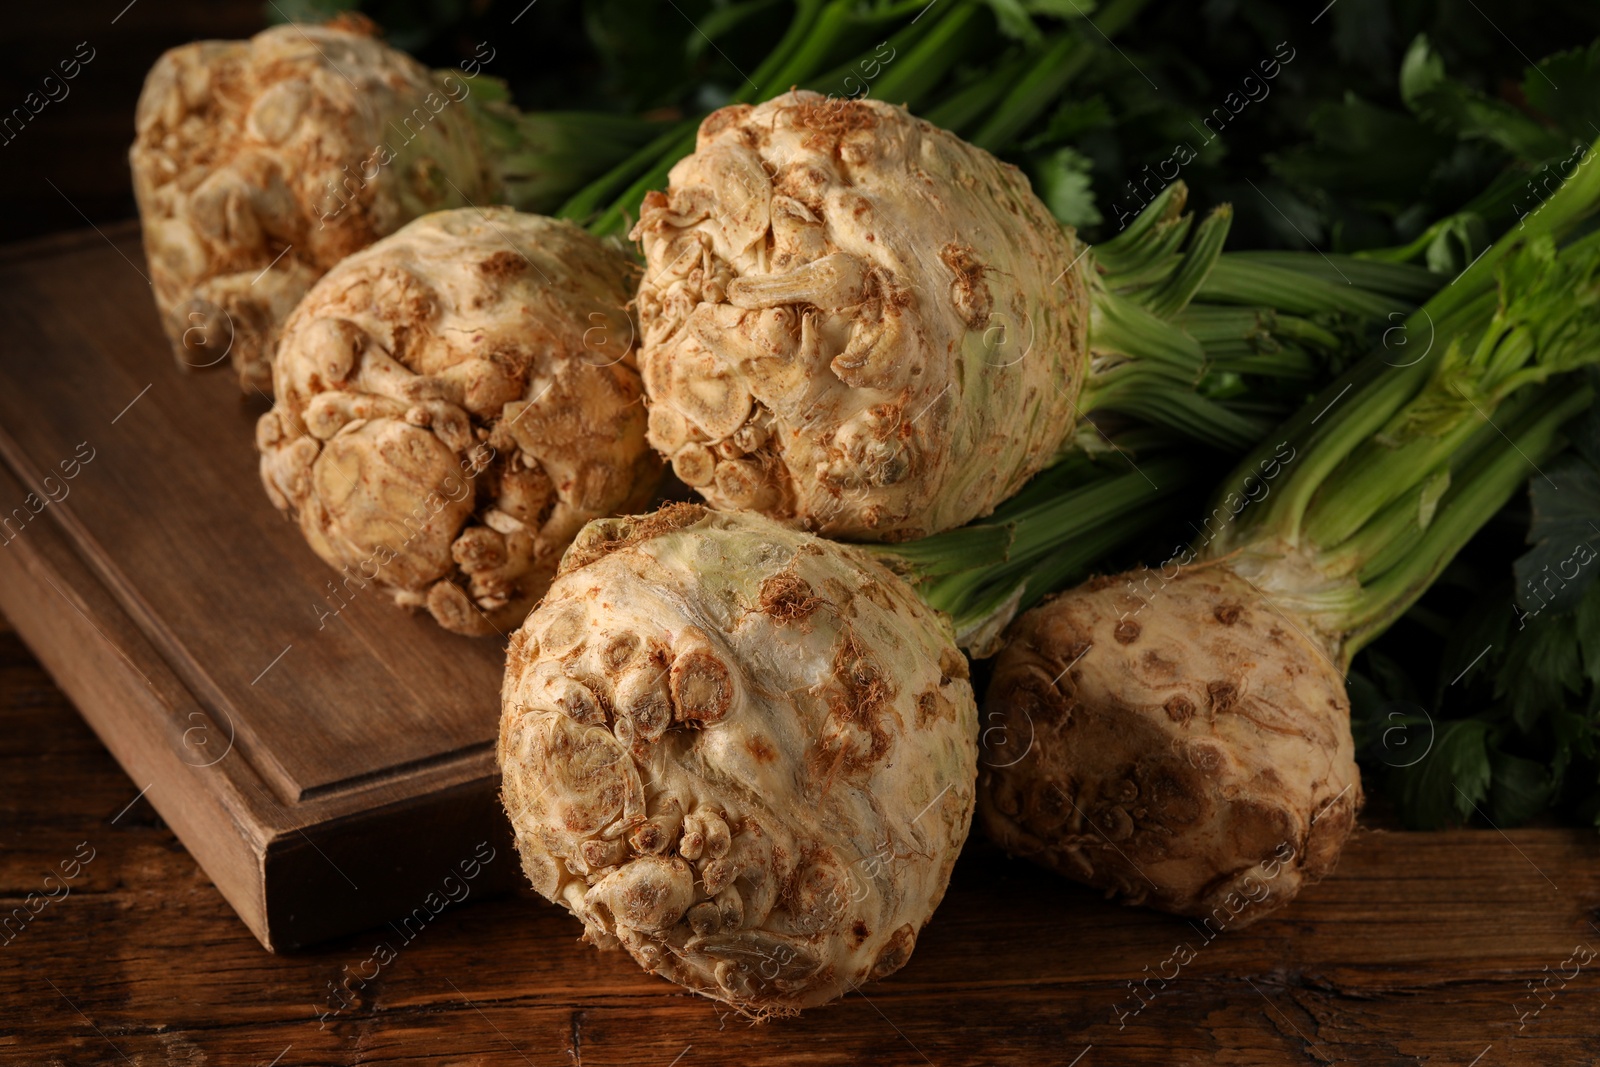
[
  {"x": 453, "y": 404},
  {"x": 856, "y": 322},
  {"x": 745, "y": 755},
  {"x": 270, "y": 153},
  {"x": 1178, "y": 743}
]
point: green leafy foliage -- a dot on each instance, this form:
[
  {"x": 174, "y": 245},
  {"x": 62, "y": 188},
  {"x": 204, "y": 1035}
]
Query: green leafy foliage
[
  {"x": 1455, "y": 775},
  {"x": 1565, "y": 88},
  {"x": 1073, "y": 120},
  {"x": 694, "y": 53},
  {"x": 1540, "y": 670},
  {"x": 722, "y": 21},
  {"x": 1305, "y": 129},
  {"x": 1377, "y": 172},
  {"x": 1062, "y": 180},
  {"x": 1016, "y": 17},
  {"x": 1555, "y": 573},
  {"x": 1462, "y": 113},
  {"x": 1520, "y": 788}
]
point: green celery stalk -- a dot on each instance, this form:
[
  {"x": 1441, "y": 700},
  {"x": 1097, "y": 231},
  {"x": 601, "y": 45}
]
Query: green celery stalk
[
  {"x": 1061, "y": 524},
  {"x": 1483, "y": 492},
  {"x": 1400, "y": 463}
]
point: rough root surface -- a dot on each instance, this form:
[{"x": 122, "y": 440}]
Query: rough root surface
[
  {"x": 854, "y": 321},
  {"x": 453, "y": 404},
  {"x": 1179, "y": 744},
  {"x": 267, "y": 152},
  {"x": 745, "y": 754}
]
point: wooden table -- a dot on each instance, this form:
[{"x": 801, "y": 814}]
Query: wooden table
[{"x": 1418, "y": 950}]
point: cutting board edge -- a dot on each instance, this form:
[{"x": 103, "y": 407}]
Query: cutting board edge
[
  {"x": 131, "y": 699},
  {"x": 239, "y": 830}
]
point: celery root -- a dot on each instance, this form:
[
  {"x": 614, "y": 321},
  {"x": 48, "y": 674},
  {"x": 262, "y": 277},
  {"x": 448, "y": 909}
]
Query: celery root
[
  {"x": 1180, "y": 736},
  {"x": 453, "y": 404},
  {"x": 1177, "y": 743},
  {"x": 827, "y": 287},
  {"x": 259, "y": 164},
  {"x": 856, "y": 322},
  {"x": 745, "y": 754}
]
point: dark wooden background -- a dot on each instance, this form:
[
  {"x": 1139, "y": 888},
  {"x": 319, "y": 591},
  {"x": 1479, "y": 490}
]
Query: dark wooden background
[
  {"x": 1420, "y": 949},
  {"x": 69, "y": 165}
]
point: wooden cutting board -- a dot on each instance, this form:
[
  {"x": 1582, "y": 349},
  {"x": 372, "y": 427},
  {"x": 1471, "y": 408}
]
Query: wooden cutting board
[{"x": 326, "y": 757}]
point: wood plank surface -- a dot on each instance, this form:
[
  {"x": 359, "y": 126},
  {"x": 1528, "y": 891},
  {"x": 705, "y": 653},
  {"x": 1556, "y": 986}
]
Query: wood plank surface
[
  {"x": 1419, "y": 950},
  {"x": 313, "y": 746},
  {"x": 170, "y": 513}
]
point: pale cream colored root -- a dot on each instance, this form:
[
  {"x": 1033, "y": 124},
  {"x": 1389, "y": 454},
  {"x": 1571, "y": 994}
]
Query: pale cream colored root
[
  {"x": 744, "y": 754},
  {"x": 855, "y": 321},
  {"x": 1178, "y": 743},
  {"x": 260, "y": 164},
  {"x": 453, "y": 404}
]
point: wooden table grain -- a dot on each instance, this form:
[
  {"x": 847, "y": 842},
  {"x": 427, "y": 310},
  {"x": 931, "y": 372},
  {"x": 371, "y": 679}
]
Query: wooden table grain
[
  {"x": 1463, "y": 948},
  {"x": 316, "y": 750}
]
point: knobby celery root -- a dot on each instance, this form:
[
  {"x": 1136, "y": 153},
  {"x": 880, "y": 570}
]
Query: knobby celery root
[
  {"x": 1181, "y": 736},
  {"x": 260, "y": 152},
  {"x": 1178, "y": 743},
  {"x": 744, "y": 754},
  {"x": 453, "y": 404},
  {"x": 855, "y": 320},
  {"x": 304, "y": 144},
  {"x": 860, "y": 324}
]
